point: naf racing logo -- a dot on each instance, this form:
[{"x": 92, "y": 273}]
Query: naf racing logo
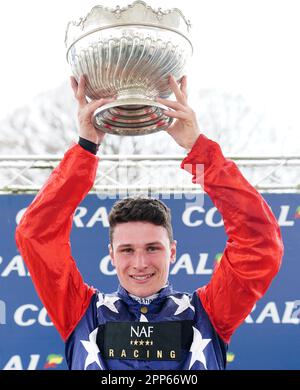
[{"x": 33, "y": 362}]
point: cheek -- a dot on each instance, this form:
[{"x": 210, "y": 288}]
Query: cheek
[
  {"x": 121, "y": 263},
  {"x": 162, "y": 263}
]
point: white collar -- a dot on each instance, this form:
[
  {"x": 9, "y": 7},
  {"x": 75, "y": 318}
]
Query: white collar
[{"x": 146, "y": 300}]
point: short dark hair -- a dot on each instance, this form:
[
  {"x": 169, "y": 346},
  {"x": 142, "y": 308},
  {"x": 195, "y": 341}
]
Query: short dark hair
[{"x": 140, "y": 209}]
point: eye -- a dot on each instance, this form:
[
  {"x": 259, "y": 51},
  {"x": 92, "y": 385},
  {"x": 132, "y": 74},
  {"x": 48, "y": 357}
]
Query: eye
[
  {"x": 152, "y": 248},
  {"x": 127, "y": 250}
]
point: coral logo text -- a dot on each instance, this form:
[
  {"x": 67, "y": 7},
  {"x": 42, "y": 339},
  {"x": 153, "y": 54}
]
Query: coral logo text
[{"x": 17, "y": 362}]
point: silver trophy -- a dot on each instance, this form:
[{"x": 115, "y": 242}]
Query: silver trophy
[{"x": 129, "y": 53}]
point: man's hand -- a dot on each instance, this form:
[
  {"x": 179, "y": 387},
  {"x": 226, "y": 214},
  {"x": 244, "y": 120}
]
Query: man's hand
[
  {"x": 86, "y": 110},
  {"x": 185, "y": 130}
]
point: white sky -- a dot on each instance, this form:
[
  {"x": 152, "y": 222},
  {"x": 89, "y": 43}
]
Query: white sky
[{"x": 241, "y": 46}]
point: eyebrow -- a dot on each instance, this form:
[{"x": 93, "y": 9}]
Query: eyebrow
[{"x": 147, "y": 244}]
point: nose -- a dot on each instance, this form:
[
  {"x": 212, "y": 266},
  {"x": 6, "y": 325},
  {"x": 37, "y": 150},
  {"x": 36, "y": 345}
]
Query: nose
[{"x": 140, "y": 261}]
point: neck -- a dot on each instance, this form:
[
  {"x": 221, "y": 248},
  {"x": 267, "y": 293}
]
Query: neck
[{"x": 144, "y": 300}]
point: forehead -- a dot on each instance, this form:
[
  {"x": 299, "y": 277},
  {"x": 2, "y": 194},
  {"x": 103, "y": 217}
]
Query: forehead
[{"x": 138, "y": 233}]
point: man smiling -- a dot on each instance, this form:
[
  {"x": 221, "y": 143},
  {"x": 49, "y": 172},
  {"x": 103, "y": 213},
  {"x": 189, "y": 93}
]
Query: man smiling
[
  {"x": 142, "y": 245},
  {"x": 146, "y": 324}
]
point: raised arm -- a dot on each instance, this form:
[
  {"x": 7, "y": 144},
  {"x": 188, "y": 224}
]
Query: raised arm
[
  {"x": 44, "y": 231},
  {"x": 254, "y": 247},
  {"x": 43, "y": 239}
]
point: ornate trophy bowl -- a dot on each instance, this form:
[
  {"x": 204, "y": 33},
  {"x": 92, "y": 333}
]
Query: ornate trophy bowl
[{"x": 129, "y": 53}]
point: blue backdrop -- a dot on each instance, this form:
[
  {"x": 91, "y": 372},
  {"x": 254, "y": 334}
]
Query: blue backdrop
[{"x": 268, "y": 339}]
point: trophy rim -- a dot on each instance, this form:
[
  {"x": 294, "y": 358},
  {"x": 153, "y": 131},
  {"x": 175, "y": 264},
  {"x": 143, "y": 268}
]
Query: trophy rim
[{"x": 158, "y": 16}]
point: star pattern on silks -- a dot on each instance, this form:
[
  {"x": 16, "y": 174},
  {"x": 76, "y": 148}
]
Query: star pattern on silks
[
  {"x": 92, "y": 349},
  {"x": 183, "y": 304},
  {"x": 143, "y": 318},
  {"x": 108, "y": 301},
  {"x": 197, "y": 347}
]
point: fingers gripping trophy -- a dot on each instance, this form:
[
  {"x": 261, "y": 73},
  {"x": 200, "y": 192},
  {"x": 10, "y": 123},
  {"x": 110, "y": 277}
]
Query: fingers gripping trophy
[{"x": 133, "y": 59}]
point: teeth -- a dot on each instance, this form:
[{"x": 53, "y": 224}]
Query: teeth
[{"x": 144, "y": 277}]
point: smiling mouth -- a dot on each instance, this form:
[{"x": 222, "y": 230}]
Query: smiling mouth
[{"x": 142, "y": 278}]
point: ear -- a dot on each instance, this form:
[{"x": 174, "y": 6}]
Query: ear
[
  {"x": 173, "y": 247},
  {"x": 111, "y": 254}
]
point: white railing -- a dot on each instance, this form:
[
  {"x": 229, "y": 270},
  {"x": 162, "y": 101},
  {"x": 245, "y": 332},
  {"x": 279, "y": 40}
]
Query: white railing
[{"x": 27, "y": 173}]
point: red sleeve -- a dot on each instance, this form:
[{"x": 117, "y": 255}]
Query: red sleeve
[
  {"x": 254, "y": 248},
  {"x": 43, "y": 240}
]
